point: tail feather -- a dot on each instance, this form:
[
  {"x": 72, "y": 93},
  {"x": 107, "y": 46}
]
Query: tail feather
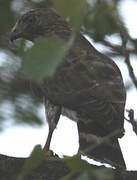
[{"x": 107, "y": 152}]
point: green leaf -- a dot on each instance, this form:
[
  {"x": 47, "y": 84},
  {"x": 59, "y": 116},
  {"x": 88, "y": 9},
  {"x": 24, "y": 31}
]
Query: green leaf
[
  {"x": 84, "y": 176},
  {"x": 33, "y": 162},
  {"x": 104, "y": 174},
  {"x": 72, "y": 10},
  {"x": 44, "y": 57},
  {"x": 68, "y": 176},
  {"x": 103, "y": 19},
  {"x": 76, "y": 164}
]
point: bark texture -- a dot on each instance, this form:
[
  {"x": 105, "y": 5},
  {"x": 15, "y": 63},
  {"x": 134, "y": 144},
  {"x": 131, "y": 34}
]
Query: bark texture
[{"x": 10, "y": 167}]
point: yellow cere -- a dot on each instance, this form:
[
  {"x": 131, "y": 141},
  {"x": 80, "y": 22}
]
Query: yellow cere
[{"x": 14, "y": 28}]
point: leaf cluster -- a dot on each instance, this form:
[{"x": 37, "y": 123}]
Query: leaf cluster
[{"x": 78, "y": 169}]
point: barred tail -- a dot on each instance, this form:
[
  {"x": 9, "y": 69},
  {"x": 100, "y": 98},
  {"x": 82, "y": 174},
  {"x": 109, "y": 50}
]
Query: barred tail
[{"x": 107, "y": 152}]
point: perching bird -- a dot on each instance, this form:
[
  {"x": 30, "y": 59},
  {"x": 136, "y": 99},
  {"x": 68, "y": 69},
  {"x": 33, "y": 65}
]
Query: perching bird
[{"x": 86, "y": 87}]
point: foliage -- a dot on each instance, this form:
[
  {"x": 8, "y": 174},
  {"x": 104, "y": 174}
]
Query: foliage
[
  {"x": 73, "y": 11},
  {"x": 33, "y": 162},
  {"x": 44, "y": 57},
  {"x": 75, "y": 164}
]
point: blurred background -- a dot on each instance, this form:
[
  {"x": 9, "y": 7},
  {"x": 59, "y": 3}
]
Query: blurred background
[{"x": 108, "y": 25}]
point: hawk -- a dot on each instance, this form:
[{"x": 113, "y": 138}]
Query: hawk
[{"x": 89, "y": 91}]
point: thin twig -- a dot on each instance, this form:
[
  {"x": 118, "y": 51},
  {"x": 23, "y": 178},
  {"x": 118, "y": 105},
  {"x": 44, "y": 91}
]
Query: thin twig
[
  {"x": 132, "y": 120},
  {"x": 124, "y": 51},
  {"x": 124, "y": 38}
]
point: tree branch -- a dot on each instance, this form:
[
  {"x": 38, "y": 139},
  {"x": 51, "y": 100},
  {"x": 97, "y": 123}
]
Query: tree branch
[{"x": 54, "y": 169}]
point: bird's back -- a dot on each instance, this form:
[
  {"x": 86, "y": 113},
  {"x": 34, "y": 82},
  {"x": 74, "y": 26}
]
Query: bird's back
[{"x": 89, "y": 83}]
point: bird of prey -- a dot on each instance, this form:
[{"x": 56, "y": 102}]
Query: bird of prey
[{"x": 86, "y": 87}]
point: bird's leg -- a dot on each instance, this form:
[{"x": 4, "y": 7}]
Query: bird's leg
[{"x": 52, "y": 115}]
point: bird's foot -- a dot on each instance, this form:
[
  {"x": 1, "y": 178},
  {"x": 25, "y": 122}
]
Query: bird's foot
[{"x": 50, "y": 153}]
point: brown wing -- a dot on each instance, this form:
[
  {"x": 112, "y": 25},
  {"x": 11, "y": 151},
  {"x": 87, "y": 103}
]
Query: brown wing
[{"x": 89, "y": 82}]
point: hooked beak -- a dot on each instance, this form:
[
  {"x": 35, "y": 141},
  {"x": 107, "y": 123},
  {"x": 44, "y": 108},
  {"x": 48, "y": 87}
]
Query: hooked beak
[{"x": 15, "y": 34}]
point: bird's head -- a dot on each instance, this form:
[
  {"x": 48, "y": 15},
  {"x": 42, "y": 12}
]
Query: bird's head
[{"x": 35, "y": 23}]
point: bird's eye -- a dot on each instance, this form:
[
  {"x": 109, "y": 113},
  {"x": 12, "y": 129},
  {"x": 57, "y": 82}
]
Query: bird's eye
[{"x": 31, "y": 19}]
